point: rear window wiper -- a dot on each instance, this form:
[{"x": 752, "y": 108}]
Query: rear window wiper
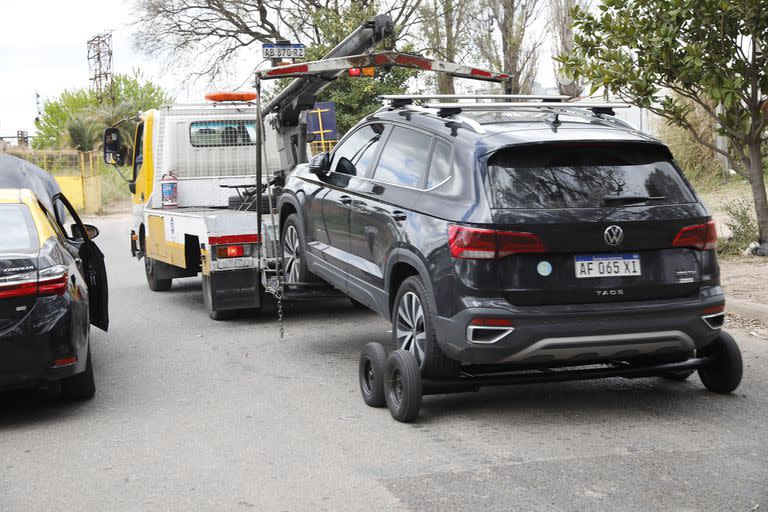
[{"x": 617, "y": 200}]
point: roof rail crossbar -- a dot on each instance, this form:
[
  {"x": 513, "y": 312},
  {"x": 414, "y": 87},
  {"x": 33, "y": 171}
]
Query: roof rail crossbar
[
  {"x": 524, "y": 106},
  {"x": 396, "y": 98}
]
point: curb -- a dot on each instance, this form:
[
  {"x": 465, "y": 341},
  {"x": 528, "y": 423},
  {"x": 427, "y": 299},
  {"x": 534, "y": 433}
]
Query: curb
[{"x": 747, "y": 309}]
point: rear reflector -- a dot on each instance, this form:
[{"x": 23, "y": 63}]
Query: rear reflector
[
  {"x": 699, "y": 236},
  {"x": 479, "y": 243},
  {"x": 492, "y": 322},
  {"x": 713, "y": 310},
  {"x": 64, "y": 361}
]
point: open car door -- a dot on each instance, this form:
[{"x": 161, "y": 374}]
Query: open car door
[{"x": 94, "y": 270}]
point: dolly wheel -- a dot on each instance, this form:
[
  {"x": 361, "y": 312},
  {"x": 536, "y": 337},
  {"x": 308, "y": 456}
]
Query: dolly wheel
[
  {"x": 724, "y": 373},
  {"x": 373, "y": 366},
  {"x": 402, "y": 386}
]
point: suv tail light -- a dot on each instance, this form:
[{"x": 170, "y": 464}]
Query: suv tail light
[
  {"x": 699, "y": 236},
  {"x": 48, "y": 281},
  {"x": 478, "y": 243}
]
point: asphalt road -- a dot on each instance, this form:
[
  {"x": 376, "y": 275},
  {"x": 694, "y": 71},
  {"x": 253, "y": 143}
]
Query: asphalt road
[{"x": 196, "y": 415}]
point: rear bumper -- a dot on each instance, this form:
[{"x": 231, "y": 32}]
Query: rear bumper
[
  {"x": 554, "y": 335},
  {"x": 28, "y": 351}
]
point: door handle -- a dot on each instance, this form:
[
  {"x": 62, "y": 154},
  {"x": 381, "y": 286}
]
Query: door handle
[
  {"x": 345, "y": 200},
  {"x": 399, "y": 216}
]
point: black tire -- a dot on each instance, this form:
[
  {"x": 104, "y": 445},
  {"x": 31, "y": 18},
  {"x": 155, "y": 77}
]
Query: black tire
[
  {"x": 293, "y": 249},
  {"x": 420, "y": 338},
  {"x": 81, "y": 386},
  {"x": 155, "y": 284},
  {"x": 402, "y": 386},
  {"x": 725, "y": 372},
  {"x": 372, "y": 368}
]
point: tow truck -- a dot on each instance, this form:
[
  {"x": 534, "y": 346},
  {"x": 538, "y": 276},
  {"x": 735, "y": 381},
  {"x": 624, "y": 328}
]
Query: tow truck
[{"x": 226, "y": 160}]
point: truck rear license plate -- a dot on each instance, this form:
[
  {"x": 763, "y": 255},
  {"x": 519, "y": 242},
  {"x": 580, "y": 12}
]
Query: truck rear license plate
[{"x": 607, "y": 265}]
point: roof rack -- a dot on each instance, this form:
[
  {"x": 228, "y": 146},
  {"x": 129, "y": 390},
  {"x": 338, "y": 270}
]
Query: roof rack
[
  {"x": 448, "y": 109},
  {"x": 400, "y": 100}
]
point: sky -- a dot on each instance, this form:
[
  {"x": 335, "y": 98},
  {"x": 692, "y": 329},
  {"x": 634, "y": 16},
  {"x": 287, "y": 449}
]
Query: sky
[{"x": 43, "y": 49}]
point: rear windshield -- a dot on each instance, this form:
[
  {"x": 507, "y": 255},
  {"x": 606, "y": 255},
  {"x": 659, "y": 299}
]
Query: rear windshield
[
  {"x": 204, "y": 134},
  {"x": 584, "y": 176},
  {"x": 18, "y": 233}
]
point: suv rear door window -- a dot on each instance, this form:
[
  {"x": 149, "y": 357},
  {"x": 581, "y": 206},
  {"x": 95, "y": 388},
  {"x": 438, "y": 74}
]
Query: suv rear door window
[
  {"x": 19, "y": 233},
  {"x": 584, "y": 176},
  {"x": 440, "y": 166},
  {"x": 354, "y": 156},
  {"x": 404, "y": 159}
]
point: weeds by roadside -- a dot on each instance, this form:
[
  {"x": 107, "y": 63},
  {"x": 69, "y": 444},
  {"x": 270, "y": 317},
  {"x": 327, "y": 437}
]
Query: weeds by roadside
[{"x": 743, "y": 226}]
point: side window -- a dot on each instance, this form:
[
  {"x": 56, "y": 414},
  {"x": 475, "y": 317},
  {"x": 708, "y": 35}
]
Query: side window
[
  {"x": 138, "y": 153},
  {"x": 404, "y": 160},
  {"x": 355, "y": 155},
  {"x": 57, "y": 228},
  {"x": 440, "y": 165}
]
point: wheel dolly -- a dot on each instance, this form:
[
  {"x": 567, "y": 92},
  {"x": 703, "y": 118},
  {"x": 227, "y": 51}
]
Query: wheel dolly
[{"x": 396, "y": 381}]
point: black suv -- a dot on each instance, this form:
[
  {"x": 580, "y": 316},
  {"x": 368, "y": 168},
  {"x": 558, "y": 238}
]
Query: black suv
[{"x": 511, "y": 237}]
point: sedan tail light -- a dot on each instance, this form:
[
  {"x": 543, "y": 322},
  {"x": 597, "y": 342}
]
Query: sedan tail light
[
  {"x": 18, "y": 285},
  {"x": 699, "y": 236},
  {"x": 53, "y": 280},
  {"x": 47, "y": 281},
  {"x": 478, "y": 243}
]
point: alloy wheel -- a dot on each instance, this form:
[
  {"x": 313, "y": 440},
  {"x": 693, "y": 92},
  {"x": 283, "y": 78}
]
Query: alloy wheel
[
  {"x": 291, "y": 255},
  {"x": 410, "y": 329}
]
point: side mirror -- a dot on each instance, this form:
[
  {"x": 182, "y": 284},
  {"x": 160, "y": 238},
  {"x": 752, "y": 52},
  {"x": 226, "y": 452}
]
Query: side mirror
[
  {"x": 320, "y": 164},
  {"x": 114, "y": 154},
  {"x": 91, "y": 231}
]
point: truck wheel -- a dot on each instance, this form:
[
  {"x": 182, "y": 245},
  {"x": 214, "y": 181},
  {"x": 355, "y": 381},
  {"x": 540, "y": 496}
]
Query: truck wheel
[
  {"x": 81, "y": 386},
  {"x": 293, "y": 249},
  {"x": 724, "y": 373},
  {"x": 402, "y": 386},
  {"x": 372, "y": 367},
  {"x": 412, "y": 330},
  {"x": 155, "y": 284}
]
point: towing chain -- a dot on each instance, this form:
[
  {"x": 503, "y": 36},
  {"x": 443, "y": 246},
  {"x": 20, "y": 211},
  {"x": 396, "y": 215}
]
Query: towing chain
[{"x": 278, "y": 295}]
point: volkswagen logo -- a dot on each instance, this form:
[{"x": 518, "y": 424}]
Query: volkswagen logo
[{"x": 613, "y": 235}]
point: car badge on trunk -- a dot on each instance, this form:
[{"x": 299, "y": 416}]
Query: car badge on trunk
[{"x": 613, "y": 235}]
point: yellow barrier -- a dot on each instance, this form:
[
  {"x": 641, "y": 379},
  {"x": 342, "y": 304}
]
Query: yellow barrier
[{"x": 83, "y": 193}]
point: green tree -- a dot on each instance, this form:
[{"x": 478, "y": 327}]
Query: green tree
[
  {"x": 77, "y": 117},
  {"x": 710, "y": 52},
  {"x": 355, "y": 98}
]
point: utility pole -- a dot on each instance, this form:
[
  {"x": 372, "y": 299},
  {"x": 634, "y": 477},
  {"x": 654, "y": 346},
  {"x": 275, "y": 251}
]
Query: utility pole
[{"x": 100, "y": 66}]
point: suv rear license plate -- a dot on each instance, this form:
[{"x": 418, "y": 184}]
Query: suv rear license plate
[{"x": 607, "y": 265}]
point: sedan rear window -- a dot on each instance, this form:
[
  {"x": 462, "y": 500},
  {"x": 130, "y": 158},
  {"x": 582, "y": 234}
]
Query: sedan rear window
[
  {"x": 19, "y": 233},
  {"x": 583, "y": 175}
]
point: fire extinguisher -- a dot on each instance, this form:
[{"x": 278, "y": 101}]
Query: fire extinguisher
[{"x": 169, "y": 185}]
